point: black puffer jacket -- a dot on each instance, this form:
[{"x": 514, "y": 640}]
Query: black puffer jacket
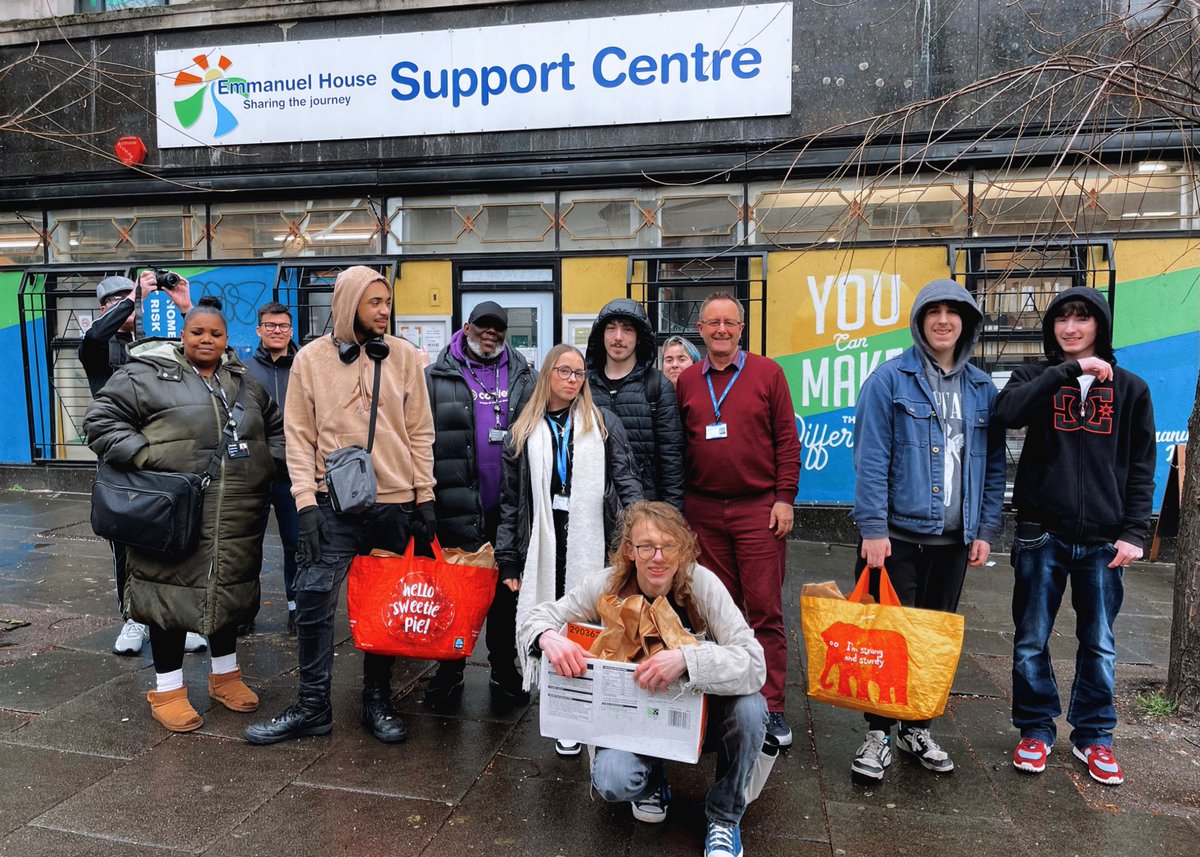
[
  {"x": 621, "y": 488},
  {"x": 155, "y": 414},
  {"x": 459, "y": 512},
  {"x": 273, "y": 375},
  {"x": 655, "y": 431}
]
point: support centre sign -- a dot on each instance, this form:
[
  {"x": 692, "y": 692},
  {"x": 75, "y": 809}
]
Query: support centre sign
[{"x": 667, "y": 67}]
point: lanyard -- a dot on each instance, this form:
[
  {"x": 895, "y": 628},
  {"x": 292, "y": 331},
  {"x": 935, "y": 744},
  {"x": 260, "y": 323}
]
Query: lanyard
[
  {"x": 495, "y": 383},
  {"x": 563, "y": 436},
  {"x": 230, "y": 422},
  {"x": 716, "y": 403}
]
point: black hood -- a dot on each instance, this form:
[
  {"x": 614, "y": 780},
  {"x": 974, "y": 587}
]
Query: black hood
[
  {"x": 620, "y": 308},
  {"x": 1100, "y": 311}
]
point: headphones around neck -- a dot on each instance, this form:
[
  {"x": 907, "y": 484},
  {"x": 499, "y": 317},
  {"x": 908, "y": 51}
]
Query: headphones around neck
[{"x": 348, "y": 352}]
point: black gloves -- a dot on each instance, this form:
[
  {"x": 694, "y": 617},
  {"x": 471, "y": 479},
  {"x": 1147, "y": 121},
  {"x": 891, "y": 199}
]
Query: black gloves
[
  {"x": 312, "y": 531},
  {"x": 423, "y": 523}
]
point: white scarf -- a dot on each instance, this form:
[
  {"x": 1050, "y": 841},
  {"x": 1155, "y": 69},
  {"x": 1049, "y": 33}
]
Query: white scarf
[{"x": 586, "y": 549}]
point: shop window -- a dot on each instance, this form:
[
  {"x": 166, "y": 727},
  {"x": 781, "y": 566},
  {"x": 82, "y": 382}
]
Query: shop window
[
  {"x": 608, "y": 221},
  {"x": 700, "y": 221},
  {"x": 133, "y": 234},
  {"x": 471, "y": 224},
  {"x": 825, "y": 215},
  {"x": 1148, "y": 196},
  {"x": 21, "y": 238},
  {"x": 298, "y": 228}
]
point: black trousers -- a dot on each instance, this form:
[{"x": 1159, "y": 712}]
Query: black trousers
[
  {"x": 927, "y": 576},
  {"x": 168, "y": 646}
]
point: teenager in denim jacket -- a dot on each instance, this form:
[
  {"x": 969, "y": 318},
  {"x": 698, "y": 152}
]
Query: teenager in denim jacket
[{"x": 929, "y": 482}]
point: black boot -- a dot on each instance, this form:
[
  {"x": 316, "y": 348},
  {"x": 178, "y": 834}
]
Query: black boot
[
  {"x": 506, "y": 687},
  {"x": 445, "y": 689},
  {"x": 311, "y": 715},
  {"x": 379, "y": 716}
]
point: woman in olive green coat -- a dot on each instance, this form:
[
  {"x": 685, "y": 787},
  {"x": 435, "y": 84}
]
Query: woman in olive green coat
[{"x": 167, "y": 409}]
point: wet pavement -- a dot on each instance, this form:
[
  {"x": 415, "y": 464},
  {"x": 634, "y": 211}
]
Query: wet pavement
[{"x": 84, "y": 770}]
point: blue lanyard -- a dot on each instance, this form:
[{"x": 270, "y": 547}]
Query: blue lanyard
[
  {"x": 716, "y": 403},
  {"x": 560, "y": 453}
]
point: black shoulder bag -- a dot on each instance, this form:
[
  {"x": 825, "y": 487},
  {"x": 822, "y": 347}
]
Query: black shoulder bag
[{"x": 158, "y": 511}]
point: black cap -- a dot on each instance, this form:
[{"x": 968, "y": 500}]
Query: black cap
[{"x": 492, "y": 310}]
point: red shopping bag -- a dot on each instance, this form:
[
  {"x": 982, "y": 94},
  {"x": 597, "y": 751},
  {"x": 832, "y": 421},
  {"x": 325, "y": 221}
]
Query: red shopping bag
[{"x": 417, "y": 607}]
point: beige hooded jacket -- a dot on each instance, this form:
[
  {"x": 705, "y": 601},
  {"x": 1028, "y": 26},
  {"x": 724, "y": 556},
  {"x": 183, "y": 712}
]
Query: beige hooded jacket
[{"x": 329, "y": 406}]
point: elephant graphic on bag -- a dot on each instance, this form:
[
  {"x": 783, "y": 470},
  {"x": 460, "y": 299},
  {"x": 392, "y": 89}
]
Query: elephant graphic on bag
[{"x": 866, "y": 655}]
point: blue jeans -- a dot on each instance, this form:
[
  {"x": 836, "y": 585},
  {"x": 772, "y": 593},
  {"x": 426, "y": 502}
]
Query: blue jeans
[
  {"x": 736, "y": 730},
  {"x": 1043, "y": 566},
  {"x": 279, "y": 495}
]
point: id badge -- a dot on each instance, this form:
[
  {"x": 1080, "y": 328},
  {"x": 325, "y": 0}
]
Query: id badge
[
  {"x": 716, "y": 431},
  {"x": 238, "y": 450},
  {"x": 497, "y": 435},
  {"x": 561, "y": 503}
]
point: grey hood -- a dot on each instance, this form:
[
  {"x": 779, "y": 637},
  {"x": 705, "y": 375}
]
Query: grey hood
[{"x": 947, "y": 291}]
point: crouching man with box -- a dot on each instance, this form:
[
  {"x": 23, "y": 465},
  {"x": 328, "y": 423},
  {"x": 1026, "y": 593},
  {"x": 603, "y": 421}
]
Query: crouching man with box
[{"x": 655, "y": 555}]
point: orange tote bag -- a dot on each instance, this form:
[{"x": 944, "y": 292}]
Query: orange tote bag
[{"x": 417, "y": 607}]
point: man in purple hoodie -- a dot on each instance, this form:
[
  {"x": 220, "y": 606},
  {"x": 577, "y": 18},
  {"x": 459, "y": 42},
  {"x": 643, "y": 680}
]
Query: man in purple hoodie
[{"x": 477, "y": 388}]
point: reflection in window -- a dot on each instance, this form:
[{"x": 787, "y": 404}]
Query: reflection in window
[
  {"x": 135, "y": 233},
  {"x": 296, "y": 228},
  {"x": 21, "y": 240}
]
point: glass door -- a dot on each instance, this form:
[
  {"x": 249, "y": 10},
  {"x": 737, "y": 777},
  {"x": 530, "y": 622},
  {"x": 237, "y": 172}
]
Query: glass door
[{"x": 530, "y": 306}]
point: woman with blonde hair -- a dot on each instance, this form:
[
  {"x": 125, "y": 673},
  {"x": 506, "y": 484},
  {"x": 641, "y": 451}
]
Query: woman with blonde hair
[{"x": 566, "y": 475}]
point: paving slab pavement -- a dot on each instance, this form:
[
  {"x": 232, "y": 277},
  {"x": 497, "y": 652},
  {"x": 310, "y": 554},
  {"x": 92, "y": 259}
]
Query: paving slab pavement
[{"x": 84, "y": 770}]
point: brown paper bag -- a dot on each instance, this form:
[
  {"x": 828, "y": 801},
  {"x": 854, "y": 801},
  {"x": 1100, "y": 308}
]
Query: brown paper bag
[
  {"x": 485, "y": 557},
  {"x": 636, "y": 629}
]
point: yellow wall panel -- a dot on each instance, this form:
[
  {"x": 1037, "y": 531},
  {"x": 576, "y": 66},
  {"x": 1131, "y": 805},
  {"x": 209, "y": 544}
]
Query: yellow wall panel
[
  {"x": 424, "y": 288},
  {"x": 588, "y": 283}
]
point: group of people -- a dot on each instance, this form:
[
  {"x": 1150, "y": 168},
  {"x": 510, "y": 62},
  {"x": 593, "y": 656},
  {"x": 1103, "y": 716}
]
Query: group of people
[
  {"x": 605, "y": 474},
  {"x": 554, "y": 468},
  {"x": 929, "y": 461}
]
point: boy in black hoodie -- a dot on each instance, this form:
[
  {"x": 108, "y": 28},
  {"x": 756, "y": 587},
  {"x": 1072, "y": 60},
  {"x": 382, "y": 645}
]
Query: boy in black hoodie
[{"x": 1083, "y": 495}]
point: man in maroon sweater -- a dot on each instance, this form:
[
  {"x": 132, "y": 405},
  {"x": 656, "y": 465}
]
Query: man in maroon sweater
[{"x": 742, "y": 471}]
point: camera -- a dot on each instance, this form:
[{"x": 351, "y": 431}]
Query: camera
[{"x": 165, "y": 279}]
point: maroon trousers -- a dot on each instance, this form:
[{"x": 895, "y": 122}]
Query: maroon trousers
[{"x": 737, "y": 546}]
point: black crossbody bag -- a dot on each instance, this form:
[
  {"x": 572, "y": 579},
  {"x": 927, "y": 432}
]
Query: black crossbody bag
[{"x": 154, "y": 510}]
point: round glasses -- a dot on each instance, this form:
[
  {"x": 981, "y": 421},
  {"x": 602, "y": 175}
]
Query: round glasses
[
  {"x": 567, "y": 373},
  {"x": 669, "y": 552}
]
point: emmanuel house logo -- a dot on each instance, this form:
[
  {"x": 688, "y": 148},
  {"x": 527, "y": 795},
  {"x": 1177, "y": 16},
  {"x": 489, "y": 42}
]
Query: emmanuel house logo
[{"x": 190, "y": 108}]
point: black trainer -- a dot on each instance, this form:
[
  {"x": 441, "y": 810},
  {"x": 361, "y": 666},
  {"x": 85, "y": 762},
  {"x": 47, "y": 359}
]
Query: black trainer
[
  {"x": 380, "y": 717},
  {"x": 506, "y": 688},
  {"x": 445, "y": 689},
  {"x": 311, "y": 715}
]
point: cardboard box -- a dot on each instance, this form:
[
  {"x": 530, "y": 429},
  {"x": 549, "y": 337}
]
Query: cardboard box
[
  {"x": 583, "y": 634},
  {"x": 606, "y": 708}
]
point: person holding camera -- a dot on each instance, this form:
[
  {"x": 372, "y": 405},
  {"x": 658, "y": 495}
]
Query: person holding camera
[
  {"x": 336, "y": 382},
  {"x": 104, "y": 350}
]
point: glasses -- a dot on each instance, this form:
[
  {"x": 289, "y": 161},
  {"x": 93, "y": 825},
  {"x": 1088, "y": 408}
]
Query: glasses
[
  {"x": 569, "y": 374},
  {"x": 714, "y": 323},
  {"x": 669, "y": 552},
  {"x": 282, "y": 327},
  {"x": 113, "y": 300}
]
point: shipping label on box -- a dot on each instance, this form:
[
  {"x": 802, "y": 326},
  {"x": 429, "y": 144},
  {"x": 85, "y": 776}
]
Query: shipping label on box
[
  {"x": 583, "y": 634},
  {"x": 607, "y": 708}
]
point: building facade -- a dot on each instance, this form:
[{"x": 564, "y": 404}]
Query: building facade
[{"x": 821, "y": 162}]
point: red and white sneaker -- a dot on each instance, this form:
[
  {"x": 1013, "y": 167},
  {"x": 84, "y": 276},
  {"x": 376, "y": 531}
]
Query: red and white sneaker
[
  {"x": 1030, "y": 755},
  {"x": 1101, "y": 764}
]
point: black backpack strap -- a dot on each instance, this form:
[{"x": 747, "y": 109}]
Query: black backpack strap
[{"x": 653, "y": 389}]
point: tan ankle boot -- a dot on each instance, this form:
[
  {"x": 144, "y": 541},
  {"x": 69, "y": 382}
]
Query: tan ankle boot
[
  {"x": 229, "y": 690},
  {"x": 172, "y": 709}
]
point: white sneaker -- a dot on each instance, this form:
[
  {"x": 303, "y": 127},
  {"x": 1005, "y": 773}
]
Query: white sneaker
[
  {"x": 131, "y": 639},
  {"x": 193, "y": 642},
  {"x": 567, "y": 748}
]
